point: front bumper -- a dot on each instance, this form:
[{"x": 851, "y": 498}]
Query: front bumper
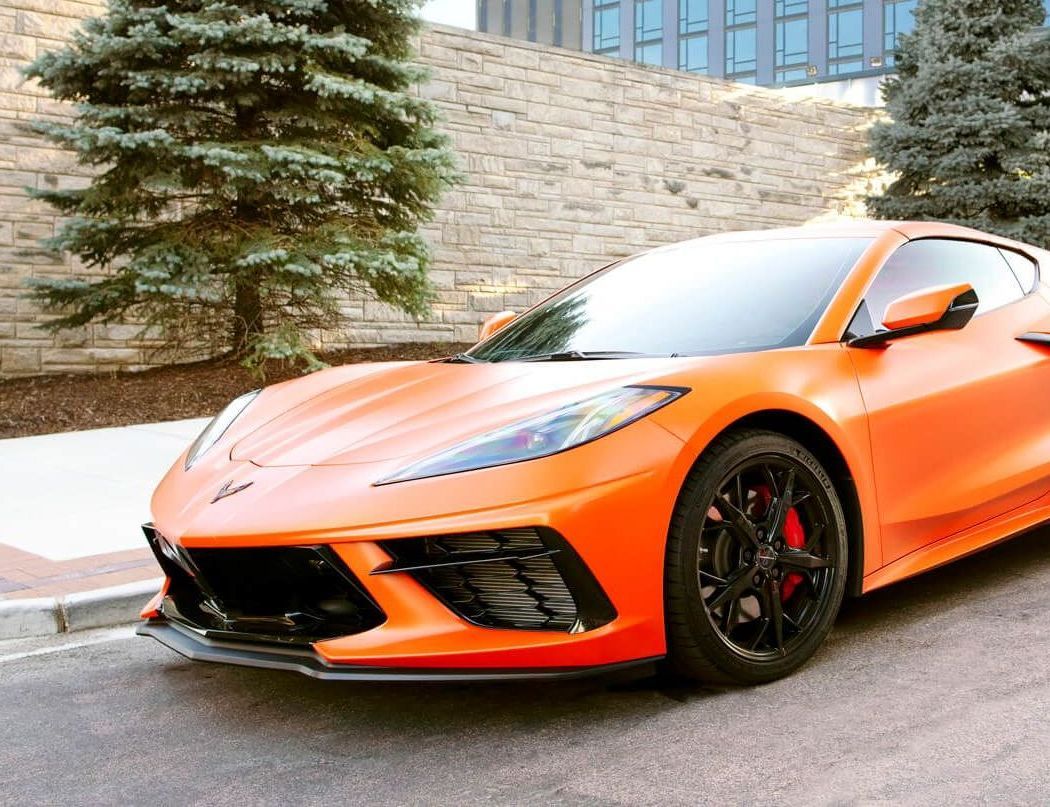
[
  {"x": 197, "y": 647},
  {"x": 610, "y": 500}
]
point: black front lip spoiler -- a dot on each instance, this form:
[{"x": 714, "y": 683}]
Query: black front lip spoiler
[{"x": 301, "y": 660}]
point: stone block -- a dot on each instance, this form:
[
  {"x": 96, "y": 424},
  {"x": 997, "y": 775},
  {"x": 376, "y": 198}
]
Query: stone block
[{"x": 19, "y": 361}]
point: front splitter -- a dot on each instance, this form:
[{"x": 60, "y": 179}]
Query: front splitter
[{"x": 193, "y": 646}]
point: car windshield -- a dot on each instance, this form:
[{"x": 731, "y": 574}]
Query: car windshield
[{"x": 700, "y": 298}]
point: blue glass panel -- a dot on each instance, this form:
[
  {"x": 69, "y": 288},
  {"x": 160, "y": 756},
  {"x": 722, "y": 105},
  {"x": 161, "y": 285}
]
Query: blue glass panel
[
  {"x": 607, "y": 28},
  {"x": 898, "y": 18},
  {"x": 792, "y": 42},
  {"x": 846, "y": 34},
  {"x": 693, "y": 16},
  {"x": 790, "y": 74},
  {"x": 842, "y": 68},
  {"x": 741, "y": 50},
  {"x": 651, "y": 53},
  {"x": 788, "y": 8},
  {"x": 692, "y": 54},
  {"x": 648, "y": 20},
  {"x": 741, "y": 12}
]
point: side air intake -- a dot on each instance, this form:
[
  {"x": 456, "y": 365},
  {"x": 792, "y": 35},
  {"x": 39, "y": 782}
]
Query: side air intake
[{"x": 525, "y": 579}]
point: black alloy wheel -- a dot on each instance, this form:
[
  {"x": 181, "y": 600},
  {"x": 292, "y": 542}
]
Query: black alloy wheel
[{"x": 756, "y": 561}]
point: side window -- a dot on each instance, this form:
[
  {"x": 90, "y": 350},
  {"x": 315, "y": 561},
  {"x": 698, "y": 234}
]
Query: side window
[
  {"x": 935, "y": 262},
  {"x": 1024, "y": 268}
]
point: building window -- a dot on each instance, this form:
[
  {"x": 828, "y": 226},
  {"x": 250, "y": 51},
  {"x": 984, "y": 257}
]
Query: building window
[
  {"x": 787, "y": 75},
  {"x": 693, "y": 22},
  {"x": 557, "y": 33},
  {"x": 791, "y": 37},
  {"x": 693, "y": 16},
  {"x": 648, "y": 20},
  {"x": 898, "y": 18},
  {"x": 650, "y": 53},
  {"x": 692, "y": 53},
  {"x": 742, "y": 53},
  {"x": 483, "y": 15},
  {"x": 741, "y": 12},
  {"x": 789, "y": 8},
  {"x": 508, "y": 18},
  {"x": 607, "y": 28},
  {"x": 845, "y": 37},
  {"x": 648, "y": 31},
  {"x": 741, "y": 40}
]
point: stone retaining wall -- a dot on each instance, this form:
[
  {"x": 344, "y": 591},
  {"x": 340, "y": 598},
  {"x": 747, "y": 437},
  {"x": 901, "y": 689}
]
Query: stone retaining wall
[{"x": 572, "y": 160}]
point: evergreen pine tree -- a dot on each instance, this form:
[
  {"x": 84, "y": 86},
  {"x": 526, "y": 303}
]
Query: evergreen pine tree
[
  {"x": 255, "y": 159},
  {"x": 968, "y": 138}
]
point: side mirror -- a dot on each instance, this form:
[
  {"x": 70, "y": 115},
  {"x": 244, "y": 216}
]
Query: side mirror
[
  {"x": 494, "y": 323},
  {"x": 938, "y": 308}
]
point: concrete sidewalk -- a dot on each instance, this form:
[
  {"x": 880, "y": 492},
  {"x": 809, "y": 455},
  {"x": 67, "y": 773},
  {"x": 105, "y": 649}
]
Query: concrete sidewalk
[{"x": 70, "y": 509}]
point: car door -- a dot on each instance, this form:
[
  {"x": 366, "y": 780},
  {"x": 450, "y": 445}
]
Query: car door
[{"x": 959, "y": 420}]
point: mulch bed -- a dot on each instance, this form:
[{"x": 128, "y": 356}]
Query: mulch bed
[{"x": 46, "y": 404}]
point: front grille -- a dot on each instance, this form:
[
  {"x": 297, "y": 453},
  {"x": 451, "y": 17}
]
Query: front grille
[
  {"x": 279, "y": 594},
  {"x": 525, "y": 579}
]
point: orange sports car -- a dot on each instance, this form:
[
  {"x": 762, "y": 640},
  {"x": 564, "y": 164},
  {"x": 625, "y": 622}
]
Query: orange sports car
[{"x": 688, "y": 457}]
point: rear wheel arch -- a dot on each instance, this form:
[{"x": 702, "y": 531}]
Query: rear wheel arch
[{"x": 814, "y": 438}]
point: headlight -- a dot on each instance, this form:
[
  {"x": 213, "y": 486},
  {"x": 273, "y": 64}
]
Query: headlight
[
  {"x": 546, "y": 434},
  {"x": 217, "y": 428}
]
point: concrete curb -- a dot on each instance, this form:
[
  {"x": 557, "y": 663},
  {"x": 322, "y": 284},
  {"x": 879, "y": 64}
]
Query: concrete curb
[{"x": 20, "y": 619}]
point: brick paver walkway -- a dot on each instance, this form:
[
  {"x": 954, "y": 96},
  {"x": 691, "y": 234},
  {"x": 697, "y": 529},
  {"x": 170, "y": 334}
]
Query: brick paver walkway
[
  {"x": 71, "y": 505},
  {"x": 23, "y": 574}
]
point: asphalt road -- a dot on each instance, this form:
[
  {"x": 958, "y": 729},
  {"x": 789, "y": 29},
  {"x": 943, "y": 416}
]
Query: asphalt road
[{"x": 935, "y": 691}]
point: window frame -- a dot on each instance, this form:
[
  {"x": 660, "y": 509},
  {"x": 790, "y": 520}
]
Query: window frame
[
  {"x": 606, "y": 47},
  {"x": 648, "y": 40},
  {"x": 841, "y": 64},
  {"x": 783, "y": 59},
  {"x": 890, "y": 10},
  {"x": 690, "y": 32},
  {"x": 731, "y": 47},
  {"x": 1034, "y": 261},
  {"x": 684, "y": 43},
  {"x": 736, "y": 18},
  {"x": 686, "y": 26},
  {"x": 845, "y": 337}
]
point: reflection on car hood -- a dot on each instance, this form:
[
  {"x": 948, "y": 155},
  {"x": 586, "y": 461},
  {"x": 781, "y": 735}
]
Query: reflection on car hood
[{"x": 415, "y": 408}]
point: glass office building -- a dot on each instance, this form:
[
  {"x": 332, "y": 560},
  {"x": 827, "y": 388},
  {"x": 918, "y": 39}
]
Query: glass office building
[
  {"x": 548, "y": 22},
  {"x": 768, "y": 42}
]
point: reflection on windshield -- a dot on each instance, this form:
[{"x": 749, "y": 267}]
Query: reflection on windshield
[
  {"x": 703, "y": 297},
  {"x": 552, "y": 328}
]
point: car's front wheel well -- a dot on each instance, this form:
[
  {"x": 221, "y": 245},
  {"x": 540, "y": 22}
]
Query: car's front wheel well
[{"x": 815, "y": 439}]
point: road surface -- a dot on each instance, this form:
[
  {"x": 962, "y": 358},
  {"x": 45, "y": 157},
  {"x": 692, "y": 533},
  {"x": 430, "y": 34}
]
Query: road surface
[{"x": 934, "y": 691}]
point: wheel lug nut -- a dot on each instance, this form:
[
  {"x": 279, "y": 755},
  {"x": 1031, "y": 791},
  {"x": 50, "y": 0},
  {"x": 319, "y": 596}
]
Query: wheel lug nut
[
  {"x": 757, "y": 580},
  {"x": 747, "y": 556}
]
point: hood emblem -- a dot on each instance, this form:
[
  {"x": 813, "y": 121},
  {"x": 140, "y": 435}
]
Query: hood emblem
[{"x": 229, "y": 489}]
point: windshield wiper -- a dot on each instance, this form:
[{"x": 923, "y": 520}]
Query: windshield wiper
[
  {"x": 586, "y": 355},
  {"x": 463, "y": 358}
]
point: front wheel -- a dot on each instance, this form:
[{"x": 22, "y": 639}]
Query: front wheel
[{"x": 756, "y": 561}]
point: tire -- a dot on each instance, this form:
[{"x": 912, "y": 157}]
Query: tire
[{"x": 737, "y": 556}]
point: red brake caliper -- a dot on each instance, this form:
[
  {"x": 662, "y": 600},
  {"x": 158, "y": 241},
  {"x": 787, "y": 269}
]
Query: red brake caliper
[{"x": 793, "y": 534}]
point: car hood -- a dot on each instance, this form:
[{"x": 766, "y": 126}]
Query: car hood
[{"x": 413, "y": 409}]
